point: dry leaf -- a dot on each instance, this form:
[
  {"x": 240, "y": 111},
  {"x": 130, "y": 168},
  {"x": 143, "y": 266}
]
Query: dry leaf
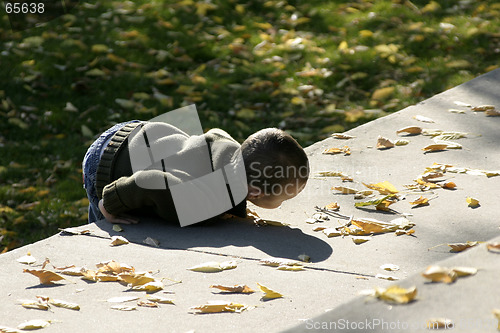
[
  {"x": 45, "y": 276},
  {"x": 472, "y": 202},
  {"x": 345, "y": 190},
  {"x": 290, "y": 268},
  {"x": 276, "y": 262},
  {"x": 75, "y": 231},
  {"x": 41, "y": 303},
  {"x": 147, "y": 304},
  {"x": 493, "y": 247},
  {"x": 361, "y": 239},
  {"x": 27, "y": 259},
  {"x": 213, "y": 267},
  {"x": 492, "y": 113},
  {"x": 331, "y": 174},
  {"x": 383, "y": 187},
  {"x": 401, "y": 142},
  {"x": 449, "y": 185},
  {"x": 269, "y": 293},
  {"x": 124, "y": 307},
  {"x": 390, "y": 267},
  {"x": 73, "y": 271},
  {"x": 332, "y": 232},
  {"x": 136, "y": 279},
  {"x": 483, "y": 108},
  {"x": 459, "y": 247},
  {"x": 396, "y": 294},
  {"x": 332, "y": 206},
  {"x": 440, "y": 274},
  {"x": 342, "y": 136},
  {"x": 122, "y": 299},
  {"x": 34, "y": 324},
  {"x": 423, "y": 119},
  {"x": 160, "y": 299},
  {"x": 275, "y": 223},
  {"x": 63, "y": 304},
  {"x": 435, "y": 147},
  {"x": 152, "y": 286},
  {"x": 5, "y": 329},
  {"x": 464, "y": 271},
  {"x": 440, "y": 323},
  {"x": 420, "y": 202},
  {"x": 219, "y": 306},
  {"x": 333, "y": 151},
  {"x": 320, "y": 228},
  {"x": 241, "y": 288},
  {"x": 410, "y": 130},
  {"x": 496, "y": 313},
  {"x": 151, "y": 242},
  {"x": 384, "y": 143},
  {"x": 118, "y": 240}
]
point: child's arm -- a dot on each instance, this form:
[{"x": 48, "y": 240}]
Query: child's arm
[{"x": 124, "y": 219}]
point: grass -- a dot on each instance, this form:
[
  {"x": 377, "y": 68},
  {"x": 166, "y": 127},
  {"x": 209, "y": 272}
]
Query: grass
[{"x": 312, "y": 68}]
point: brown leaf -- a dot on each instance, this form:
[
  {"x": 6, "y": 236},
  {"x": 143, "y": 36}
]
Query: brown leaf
[
  {"x": 244, "y": 289},
  {"x": 410, "y": 130},
  {"x": 333, "y": 151},
  {"x": 435, "y": 147},
  {"x": 493, "y": 247},
  {"x": 420, "y": 202},
  {"x": 440, "y": 274},
  {"x": 332, "y": 206},
  {"x": 384, "y": 143},
  {"x": 45, "y": 276},
  {"x": 459, "y": 247}
]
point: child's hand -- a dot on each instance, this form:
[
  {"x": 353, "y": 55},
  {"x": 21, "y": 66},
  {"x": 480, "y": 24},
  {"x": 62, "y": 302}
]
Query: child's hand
[{"x": 124, "y": 219}]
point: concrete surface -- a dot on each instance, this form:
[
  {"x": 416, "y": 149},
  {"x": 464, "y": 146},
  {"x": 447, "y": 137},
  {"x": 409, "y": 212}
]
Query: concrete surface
[{"x": 339, "y": 268}]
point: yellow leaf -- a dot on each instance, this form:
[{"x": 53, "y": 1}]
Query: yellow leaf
[
  {"x": 45, "y": 276},
  {"x": 330, "y": 232},
  {"x": 384, "y": 143},
  {"x": 136, "y": 279},
  {"x": 440, "y": 274},
  {"x": 160, "y": 299},
  {"x": 40, "y": 304},
  {"x": 435, "y": 147},
  {"x": 34, "y": 324},
  {"x": 213, "y": 267},
  {"x": 464, "y": 271},
  {"x": 365, "y": 33},
  {"x": 342, "y": 136},
  {"x": 118, "y": 240},
  {"x": 99, "y": 48},
  {"x": 149, "y": 287},
  {"x": 361, "y": 239},
  {"x": 244, "y": 289},
  {"x": 472, "y": 202},
  {"x": 297, "y": 100},
  {"x": 430, "y": 7},
  {"x": 410, "y": 130},
  {"x": 276, "y": 262},
  {"x": 396, "y": 294},
  {"x": 420, "y": 202},
  {"x": 63, "y": 304},
  {"x": 332, "y": 206},
  {"x": 496, "y": 313},
  {"x": 124, "y": 307},
  {"x": 332, "y": 151},
  {"x": 269, "y": 293},
  {"x": 122, "y": 299},
  {"x": 382, "y": 93},
  {"x": 219, "y": 306},
  {"x": 290, "y": 268},
  {"x": 345, "y": 190},
  {"x": 384, "y": 187},
  {"x": 147, "y": 304},
  {"x": 459, "y": 247}
]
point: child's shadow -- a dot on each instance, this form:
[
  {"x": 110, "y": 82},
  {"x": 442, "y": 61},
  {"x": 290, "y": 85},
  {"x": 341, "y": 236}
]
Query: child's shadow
[{"x": 282, "y": 242}]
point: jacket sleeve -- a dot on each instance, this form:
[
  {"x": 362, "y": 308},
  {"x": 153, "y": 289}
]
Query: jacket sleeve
[{"x": 126, "y": 194}]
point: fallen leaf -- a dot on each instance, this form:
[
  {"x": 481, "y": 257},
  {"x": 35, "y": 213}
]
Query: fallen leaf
[
  {"x": 124, "y": 307},
  {"x": 160, "y": 299},
  {"x": 380, "y": 204},
  {"x": 276, "y": 262},
  {"x": 118, "y": 240},
  {"x": 269, "y": 293},
  {"x": 147, "y": 304},
  {"x": 213, "y": 267},
  {"x": 492, "y": 113},
  {"x": 361, "y": 239},
  {"x": 384, "y": 187},
  {"x": 152, "y": 286},
  {"x": 420, "y": 202},
  {"x": 332, "y": 232},
  {"x": 464, "y": 271},
  {"x": 384, "y": 143},
  {"x": 345, "y": 190},
  {"x": 440, "y": 274},
  {"x": 290, "y": 268},
  {"x": 73, "y": 271},
  {"x": 27, "y": 259},
  {"x": 483, "y": 108},
  {"x": 63, "y": 304},
  {"x": 332, "y": 206},
  {"x": 440, "y": 323},
  {"x": 410, "y": 130},
  {"x": 423, "y": 119},
  {"x": 41, "y": 303},
  {"x": 496, "y": 313},
  {"x": 472, "y": 202},
  {"x": 459, "y": 247},
  {"x": 493, "y": 247},
  {"x": 304, "y": 258},
  {"x": 449, "y": 185},
  {"x": 45, "y": 276},
  {"x": 136, "y": 279},
  {"x": 332, "y": 151},
  {"x": 435, "y": 147},
  {"x": 396, "y": 294},
  {"x": 34, "y": 324},
  {"x": 117, "y": 228},
  {"x": 401, "y": 142},
  {"x": 219, "y": 306},
  {"x": 390, "y": 267},
  {"x": 244, "y": 289},
  {"x": 5, "y": 329},
  {"x": 342, "y": 136},
  {"x": 75, "y": 231},
  {"x": 151, "y": 242}
]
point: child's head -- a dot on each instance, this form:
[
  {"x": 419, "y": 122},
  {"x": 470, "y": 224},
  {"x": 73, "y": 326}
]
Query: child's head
[{"x": 277, "y": 167}]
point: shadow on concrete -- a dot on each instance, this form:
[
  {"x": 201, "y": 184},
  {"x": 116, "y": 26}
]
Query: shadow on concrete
[{"x": 283, "y": 242}]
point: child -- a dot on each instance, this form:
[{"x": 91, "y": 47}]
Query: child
[{"x": 275, "y": 169}]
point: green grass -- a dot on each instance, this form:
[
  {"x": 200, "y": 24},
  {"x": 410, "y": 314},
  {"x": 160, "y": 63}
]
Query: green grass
[{"x": 311, "y": 67}]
